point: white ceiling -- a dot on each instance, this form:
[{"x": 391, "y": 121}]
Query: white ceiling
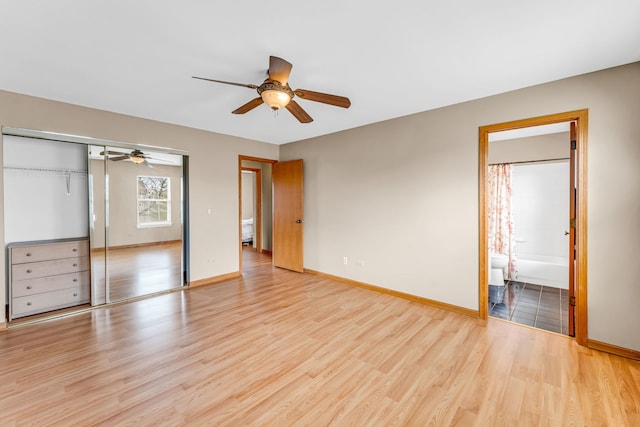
[{"x": 390, "y": 58}]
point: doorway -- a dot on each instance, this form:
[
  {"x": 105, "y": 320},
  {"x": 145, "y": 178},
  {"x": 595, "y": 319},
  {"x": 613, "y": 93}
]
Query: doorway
[
  {"x": 281, "y": 210},
  {"x": 251, "y": 209},
  {"x": 255, "y": 206},
  {"x": 576, "y": 247}
]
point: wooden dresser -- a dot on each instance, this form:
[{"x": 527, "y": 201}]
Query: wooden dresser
[{"x": 48, "y": 275}]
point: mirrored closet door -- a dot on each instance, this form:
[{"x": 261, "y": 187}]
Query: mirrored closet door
[
  {"x": 89, "y": 222},
  {"x": 138, "y": 222}
]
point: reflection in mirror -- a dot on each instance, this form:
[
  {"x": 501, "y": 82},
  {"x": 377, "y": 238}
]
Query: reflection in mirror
[{"x": 144, "y": 241}]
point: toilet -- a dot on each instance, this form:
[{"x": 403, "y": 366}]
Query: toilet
[
  {"x": 498, "y": 263},
  {"x": 496, "y": 277}
]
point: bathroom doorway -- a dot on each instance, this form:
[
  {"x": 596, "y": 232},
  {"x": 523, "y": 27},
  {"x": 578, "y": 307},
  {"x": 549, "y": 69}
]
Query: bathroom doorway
[{"x": 519, "y": 152}]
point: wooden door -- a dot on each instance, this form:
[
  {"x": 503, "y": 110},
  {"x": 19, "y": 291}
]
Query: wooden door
[
  {"x": 288, "y": 215},
  {"x": 572, "y": 230}
]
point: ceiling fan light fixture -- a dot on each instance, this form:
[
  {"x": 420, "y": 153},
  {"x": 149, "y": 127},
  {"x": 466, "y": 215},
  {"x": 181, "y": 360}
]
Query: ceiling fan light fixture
[
  {"x": 136, "y": 158},
  {"x": 275, "y": 99},
  {"x": 276, "y": 93}
]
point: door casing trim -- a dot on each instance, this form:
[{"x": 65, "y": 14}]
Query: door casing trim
[{"x": 581, "y": 118}]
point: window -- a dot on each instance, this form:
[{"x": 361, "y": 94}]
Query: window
[{"x": 154, "y": 201}]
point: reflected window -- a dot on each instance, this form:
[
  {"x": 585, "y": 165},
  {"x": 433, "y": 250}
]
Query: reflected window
[{"x": 154, "y": 201}]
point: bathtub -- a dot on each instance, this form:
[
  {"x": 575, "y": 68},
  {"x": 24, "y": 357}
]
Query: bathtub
[{"x": 543, "y": 270}]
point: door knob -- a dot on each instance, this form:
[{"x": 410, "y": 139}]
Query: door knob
[
  {"x": 299, "y": 221},
  {"x": 566, "y": 233}
]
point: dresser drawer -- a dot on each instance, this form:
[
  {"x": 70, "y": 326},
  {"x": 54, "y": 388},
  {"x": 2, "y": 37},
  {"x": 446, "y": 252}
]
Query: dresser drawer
[
  {"x": 32, "y": 270},
  {"x": 32, "y": 304},
  {"x": 50, "y": 251},
  {"x": 20, "y": 288}
]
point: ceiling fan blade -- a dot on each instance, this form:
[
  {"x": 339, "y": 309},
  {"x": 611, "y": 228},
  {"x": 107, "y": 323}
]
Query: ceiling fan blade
[
  {"x": 112, "y": 153},
  {"x": 250, "y": 86},
  {"x": 279, "y": 70},
  {"x": 298, "y": 112},
  {"x": 248, "y": 106},
  {"x": 338, "y": 101},
  {"x": 115, "y": 159}
]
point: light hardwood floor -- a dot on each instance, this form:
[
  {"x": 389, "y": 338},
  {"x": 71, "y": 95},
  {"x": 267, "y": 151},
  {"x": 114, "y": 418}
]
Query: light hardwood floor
[
  {"x": 141, "y": 270},
  {"x": 283, "y": 348}
]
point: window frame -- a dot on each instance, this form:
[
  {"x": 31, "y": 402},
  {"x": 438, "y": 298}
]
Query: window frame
[{"x": 166, "y": 223}]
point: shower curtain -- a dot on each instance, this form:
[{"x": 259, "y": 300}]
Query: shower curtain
[{"x": 501, "y": 235}]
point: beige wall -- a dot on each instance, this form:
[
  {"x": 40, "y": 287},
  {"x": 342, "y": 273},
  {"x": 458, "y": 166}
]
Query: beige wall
[
  {"x": 361, "y": 187},
  {"x": 123, "y": 226},
  {"x": 248, "y": 179},
  {"x": 213, "y": 168},
  {"x": 540, "y": 147}
]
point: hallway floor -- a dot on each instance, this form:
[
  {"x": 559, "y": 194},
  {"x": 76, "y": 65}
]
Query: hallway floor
[{"x": 539, "y": 306}]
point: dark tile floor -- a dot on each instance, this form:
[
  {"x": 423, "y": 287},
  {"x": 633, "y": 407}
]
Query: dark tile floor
[{"x": 539, "y": 306}]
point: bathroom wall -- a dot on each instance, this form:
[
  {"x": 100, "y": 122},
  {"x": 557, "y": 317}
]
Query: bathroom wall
[
  {"x": 532, "y": 148},
  {"x": 540, "y": 197},
  {"x": 540, "y": 201}
]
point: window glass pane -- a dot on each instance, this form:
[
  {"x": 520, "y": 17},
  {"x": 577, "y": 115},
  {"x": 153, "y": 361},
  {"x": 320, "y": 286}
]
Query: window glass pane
[{"x": 154, "y": 204}]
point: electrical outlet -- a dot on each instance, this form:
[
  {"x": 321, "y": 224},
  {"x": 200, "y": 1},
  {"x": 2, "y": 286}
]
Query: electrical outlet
[{"x": 345, "y": 260}]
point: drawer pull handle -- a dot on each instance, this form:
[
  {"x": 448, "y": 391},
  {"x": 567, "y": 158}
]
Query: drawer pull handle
[
  {"x": 29, "y": 287},
  {"x": 75, "y": 280},
  {"x": 75, "y": 249},
  {"x": 28, "y": 253},
  {"x": 75, "y": 294},
  {"x": 29, "y": 303},
  {"x": 75, "y": 264},
  {"x": 28, "y": 271}
]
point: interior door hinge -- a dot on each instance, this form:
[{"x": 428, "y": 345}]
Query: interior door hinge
[
  {"x": 573, "y": 144},
  {"x": 572, "y": 301}
]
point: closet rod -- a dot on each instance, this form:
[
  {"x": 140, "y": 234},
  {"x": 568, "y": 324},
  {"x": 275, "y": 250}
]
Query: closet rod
[{"x": 83, "y": 172}]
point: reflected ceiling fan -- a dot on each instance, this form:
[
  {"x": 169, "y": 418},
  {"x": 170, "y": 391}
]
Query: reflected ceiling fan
[
  {"x": 136, "y": 156},
  {"x": 276, "y": 92}
]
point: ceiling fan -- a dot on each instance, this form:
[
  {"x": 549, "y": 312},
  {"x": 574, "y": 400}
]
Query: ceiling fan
[
  {"x": 136, "y": 156},
  {"x": 276, "y": 92}
]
